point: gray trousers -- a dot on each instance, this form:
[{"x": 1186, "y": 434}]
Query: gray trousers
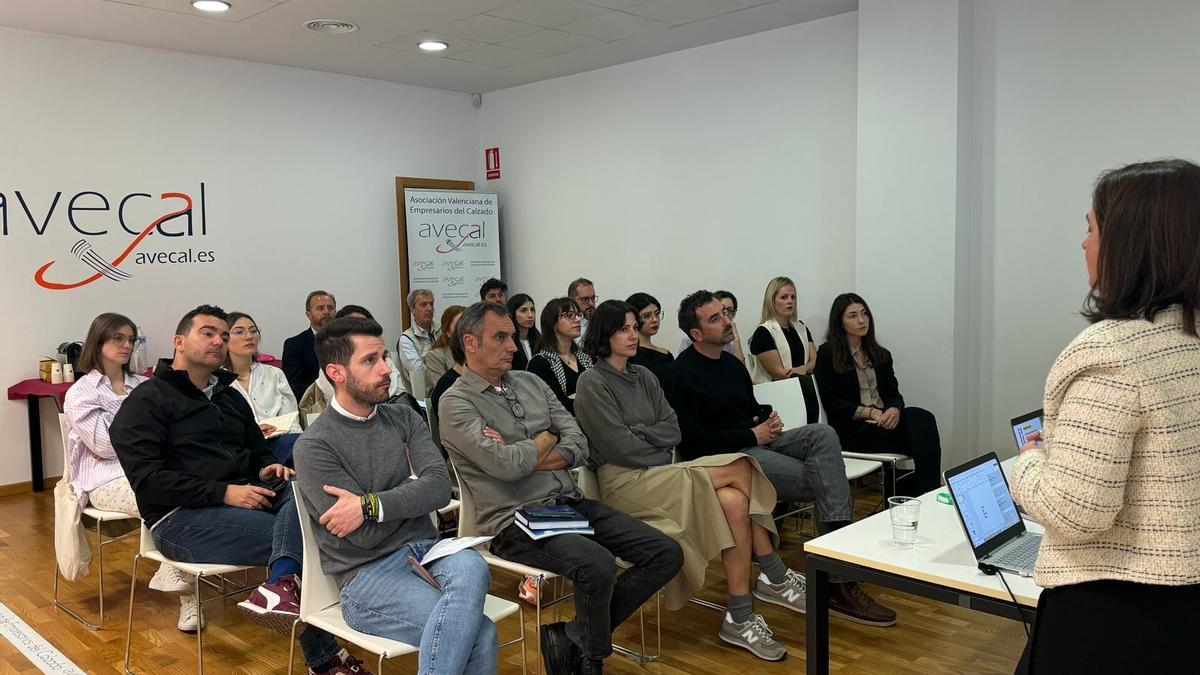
[{"x": 805, "y": 464}]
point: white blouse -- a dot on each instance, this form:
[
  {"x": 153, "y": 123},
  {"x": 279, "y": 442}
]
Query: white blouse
[{"x": 269, "y": 395}]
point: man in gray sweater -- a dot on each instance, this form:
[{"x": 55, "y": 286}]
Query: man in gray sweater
[
  {"x": 374, "y": 475},
  {"x": 514, "y": 445}
]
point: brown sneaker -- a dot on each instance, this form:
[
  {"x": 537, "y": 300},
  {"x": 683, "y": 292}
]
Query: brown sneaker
[{"x": 850, "y": 601}]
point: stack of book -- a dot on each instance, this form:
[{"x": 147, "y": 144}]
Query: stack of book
[{"x": 540, "y": 522}]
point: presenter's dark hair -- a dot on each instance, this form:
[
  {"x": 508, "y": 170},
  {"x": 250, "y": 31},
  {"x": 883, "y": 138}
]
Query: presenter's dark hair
[
  {"x": 333, "y": 339},
  {"x": 102, "y": 329},
  {"x": 514, "y": 303},
  {"x": 547, "y": 342},
  {"x": 185, "y": 324},
  {"x": 639, "y": 301},
  {"x": 1149, "y": 226},
  {"x": 608, "y": 318},
  {"x": 687, "y": 318},
  {"x": 839, "y": 344},
  {"x": 353, "y": 309}
]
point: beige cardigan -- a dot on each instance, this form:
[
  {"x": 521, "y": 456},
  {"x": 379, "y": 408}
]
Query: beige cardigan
[{"x": 1117, "y": 483}]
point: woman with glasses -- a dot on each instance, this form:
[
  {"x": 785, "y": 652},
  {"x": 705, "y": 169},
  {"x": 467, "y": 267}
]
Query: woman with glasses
[
  {"x": 265, "y": 387},
  {"x": 715, "y": 506},
  {"x": 782, "y": 346},
  {"x": 649, "y": 318},
  {"x": 559, "y": 361},
  {"x": 730, "y": 303},
  {"x": 90, "y": 405},
  {"x": 524, "y": 316}
]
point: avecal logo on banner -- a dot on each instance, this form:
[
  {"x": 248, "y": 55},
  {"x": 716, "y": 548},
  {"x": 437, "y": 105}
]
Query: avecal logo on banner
[{"x": 109, "y": 244}]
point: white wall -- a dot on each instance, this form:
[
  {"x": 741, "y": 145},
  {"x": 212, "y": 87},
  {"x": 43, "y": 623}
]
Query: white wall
[
  {"x": 299, "y": 170},
  {"x": 717, "y": 167},
  {"x": 1066, "y": 89}
]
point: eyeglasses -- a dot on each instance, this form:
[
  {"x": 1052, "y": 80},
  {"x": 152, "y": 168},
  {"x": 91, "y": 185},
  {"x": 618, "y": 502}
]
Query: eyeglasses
[
  {"x": 570, "y": 316},
  {"x": 513, "y": 404},
  {"x": 239, "y": 332},
  {"x": 729, "y": 312},
  {"x": 120, "y": 339},
  {"x": 587, "y": 299},
  {"x": 652, "y": 315}
]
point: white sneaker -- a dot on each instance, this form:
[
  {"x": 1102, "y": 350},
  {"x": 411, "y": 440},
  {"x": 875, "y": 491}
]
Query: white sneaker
[
  {"x": 188, "y": 613},
  {"x": 169, "y": 579}
]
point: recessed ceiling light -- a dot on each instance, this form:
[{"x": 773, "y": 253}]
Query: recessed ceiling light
[
  {"x": 211, "y": 5},
  {"x": 432, "y": 45},
  {"x": 330, "y": 26}
]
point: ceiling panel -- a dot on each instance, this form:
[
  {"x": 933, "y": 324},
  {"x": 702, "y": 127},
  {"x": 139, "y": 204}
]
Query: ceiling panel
[{"x": 494, "y": 44}]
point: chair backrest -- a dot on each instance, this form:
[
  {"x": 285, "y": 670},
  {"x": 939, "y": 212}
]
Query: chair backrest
[
  {"x": 319, "y": 590},
  {"x": 466, "y": 506},
  {"x": 786, "y": 398},
  {"x": 64, "y": 426},
  {"x": 589, "y": 484}
]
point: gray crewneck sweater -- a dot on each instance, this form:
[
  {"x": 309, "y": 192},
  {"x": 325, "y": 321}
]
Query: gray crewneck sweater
[
  {"x": 369, "y": 456},
  {"x": 625, "y": 416}
]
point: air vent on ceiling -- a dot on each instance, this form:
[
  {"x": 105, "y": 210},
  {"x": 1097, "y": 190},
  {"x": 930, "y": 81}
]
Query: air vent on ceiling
[{"x": 330, "y": 26}]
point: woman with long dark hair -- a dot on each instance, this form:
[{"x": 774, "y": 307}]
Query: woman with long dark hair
[
  {"x": 858, "y": 387},
  {"x": 1115, "y": 475},
  {"x": 559, "y": 361},
  {"x": 523, "y": 312},
  {"x": 96, "y": 473}
]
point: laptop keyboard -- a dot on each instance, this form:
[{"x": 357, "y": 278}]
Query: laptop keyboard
[{"x": 1023, "y": 555}]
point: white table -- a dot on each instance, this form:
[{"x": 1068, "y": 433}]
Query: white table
[{"x": 941, "y": 567}]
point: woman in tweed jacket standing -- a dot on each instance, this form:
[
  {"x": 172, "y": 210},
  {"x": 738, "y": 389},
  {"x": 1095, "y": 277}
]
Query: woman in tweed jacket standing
[{"x": 1116, "y": 478}]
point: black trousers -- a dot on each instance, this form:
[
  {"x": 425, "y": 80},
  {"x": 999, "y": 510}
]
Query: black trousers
[
  {"x": 1113, "y": 627},
  {"x": 916, "y": 436},
  {"x": 603, "y": 599}
]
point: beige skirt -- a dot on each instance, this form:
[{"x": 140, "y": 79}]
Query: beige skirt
[{"x": 680, "y": 501}]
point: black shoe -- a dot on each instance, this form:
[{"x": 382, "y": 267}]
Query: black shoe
[
  {"x": 591, "y": 666},
  {"x": 558, "y": 653}
]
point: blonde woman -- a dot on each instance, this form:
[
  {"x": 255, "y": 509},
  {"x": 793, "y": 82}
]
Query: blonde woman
[{"x": 782, "y": 346}]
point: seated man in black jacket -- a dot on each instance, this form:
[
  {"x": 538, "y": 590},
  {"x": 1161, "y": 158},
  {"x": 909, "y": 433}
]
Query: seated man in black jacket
[
  {"x": 207, "y": 486},
  {"x": 713, "y": 397}
]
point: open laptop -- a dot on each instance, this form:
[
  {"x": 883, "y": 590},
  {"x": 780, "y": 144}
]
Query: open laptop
[
  {"x": 1026, "y": 424},
  {"x": 989, "y": 516}
]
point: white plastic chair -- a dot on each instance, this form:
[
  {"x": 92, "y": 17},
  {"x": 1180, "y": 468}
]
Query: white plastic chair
[
  {"x": 320, "y": 604},
  {"x": 200, "y": 571},
  {"x": 99, "y": 516},
  {"x": 467, "y": 528}
]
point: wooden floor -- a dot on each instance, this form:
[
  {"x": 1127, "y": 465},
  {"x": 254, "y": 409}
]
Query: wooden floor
[{"x": 930, "y": 637}]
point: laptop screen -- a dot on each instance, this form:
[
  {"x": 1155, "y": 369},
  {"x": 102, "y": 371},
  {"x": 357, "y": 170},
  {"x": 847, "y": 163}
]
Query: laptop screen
[{"x": 981, "y": 495}]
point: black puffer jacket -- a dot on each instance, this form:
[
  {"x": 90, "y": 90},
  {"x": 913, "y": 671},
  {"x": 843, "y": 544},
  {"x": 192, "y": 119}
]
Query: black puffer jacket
[{"x": 178, "y": 448}]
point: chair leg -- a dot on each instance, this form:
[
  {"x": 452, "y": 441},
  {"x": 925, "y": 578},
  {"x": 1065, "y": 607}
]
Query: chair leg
[
  {"x": 129, "y": 621},
  {"x": 199, "y": 628}
]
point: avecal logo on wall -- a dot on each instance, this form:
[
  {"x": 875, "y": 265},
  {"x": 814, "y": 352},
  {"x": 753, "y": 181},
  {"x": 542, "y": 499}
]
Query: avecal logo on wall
[
  {"x": 112, "y": 230},
  {"x": 453, "y": 242}
]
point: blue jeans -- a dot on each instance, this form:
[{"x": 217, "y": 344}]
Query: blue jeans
[
  {"x": 227, "y": 535},
  {"x": 389, "y": 599}
]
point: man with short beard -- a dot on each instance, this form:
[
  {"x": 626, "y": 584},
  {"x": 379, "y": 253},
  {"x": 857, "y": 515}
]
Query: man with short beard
[
  {"x": 208, "y": 487},
  {"x": 373, "y": 474}
]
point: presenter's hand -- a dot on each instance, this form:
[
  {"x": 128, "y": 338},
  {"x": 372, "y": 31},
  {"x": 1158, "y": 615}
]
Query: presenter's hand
[
  {"x": 345, "y": 516},
  {"x": 889, "y": 418},
  {"x": 1032, "y": 441},
  {"x": 276, "y": 472},
  {"x": 248, "y": 497}
]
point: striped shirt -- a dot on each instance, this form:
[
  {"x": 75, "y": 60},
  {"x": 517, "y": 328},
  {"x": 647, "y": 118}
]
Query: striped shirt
[
  {"x": 90, "y": 407},
  {"x": 1117, "y": 481}
]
